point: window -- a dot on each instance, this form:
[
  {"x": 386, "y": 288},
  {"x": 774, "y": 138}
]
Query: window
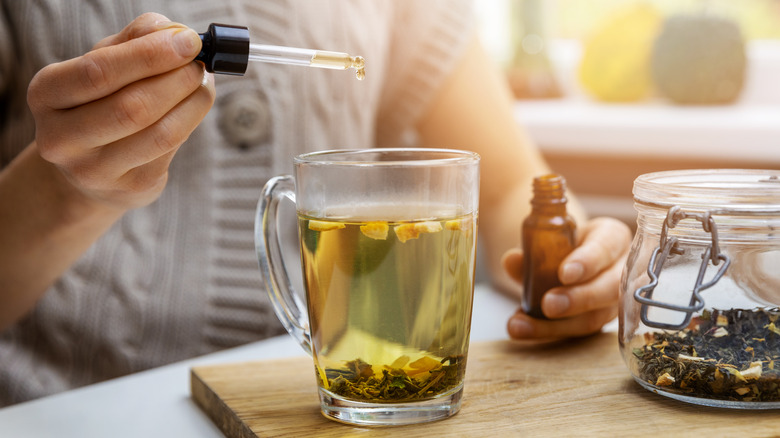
[{"x": 566, "y": 25}]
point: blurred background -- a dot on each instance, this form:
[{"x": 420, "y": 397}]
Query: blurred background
[{"x": 612, "y": 89}]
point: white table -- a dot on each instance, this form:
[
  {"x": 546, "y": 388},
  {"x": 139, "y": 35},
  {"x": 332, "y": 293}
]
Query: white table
[{"x": 156, "y": 403}]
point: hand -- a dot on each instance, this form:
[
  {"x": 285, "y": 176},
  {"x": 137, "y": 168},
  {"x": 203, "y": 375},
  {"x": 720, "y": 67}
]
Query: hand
[
  {"x": 591, "y": 279},
  {"x": 111, "y": 120}
]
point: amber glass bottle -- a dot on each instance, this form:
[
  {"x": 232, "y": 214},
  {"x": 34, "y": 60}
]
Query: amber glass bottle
[{"x": 548, "y": 237}]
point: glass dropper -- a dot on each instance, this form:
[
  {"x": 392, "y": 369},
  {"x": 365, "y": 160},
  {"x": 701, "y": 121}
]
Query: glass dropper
[
  {"x": 307, "y": 57},
  {"x": 226, "y": 50}
]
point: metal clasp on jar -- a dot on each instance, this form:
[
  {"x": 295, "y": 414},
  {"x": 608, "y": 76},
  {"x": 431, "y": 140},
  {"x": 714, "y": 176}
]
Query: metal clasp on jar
[{"x": 668, "y": 247}]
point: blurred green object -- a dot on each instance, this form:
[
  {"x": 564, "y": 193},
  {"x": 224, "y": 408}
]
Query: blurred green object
[{"x": 699, "y": 60}]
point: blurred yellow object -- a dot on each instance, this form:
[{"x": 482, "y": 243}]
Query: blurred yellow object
[{"x": 615, "y": 64}]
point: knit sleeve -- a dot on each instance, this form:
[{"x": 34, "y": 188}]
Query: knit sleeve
[
  {"x": 15, "y": 132},
  {"x": 429, "y": 38},
  {"x": 6, "y": 53},
  {"x": 6, "y": 57}
]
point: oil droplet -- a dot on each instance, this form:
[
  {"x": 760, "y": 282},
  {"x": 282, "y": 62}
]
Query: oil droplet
[{"x": 359, "y": 64}]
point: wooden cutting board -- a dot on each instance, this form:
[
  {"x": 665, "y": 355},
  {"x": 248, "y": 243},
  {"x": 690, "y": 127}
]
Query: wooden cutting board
[{"x": 577, "y": 387}]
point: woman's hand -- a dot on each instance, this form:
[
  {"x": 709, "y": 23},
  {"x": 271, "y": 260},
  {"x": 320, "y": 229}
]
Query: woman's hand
[
  {"x": 591, "y": 279},
  {"x": 111, "y": 120},
  {"x": 107, "y": 125}
]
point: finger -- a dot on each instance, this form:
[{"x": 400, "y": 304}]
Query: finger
[
  {"x": 602, "y": 291},
  {"x": 604, "y": 240},
  {"x": 138, "y": 187},
  {"x": 512, "y": 261},
  {"x": 151, "y": 177},
  {"x": 120, "y": 115},
  {"x": 104, "y": 71},
  {"x": 522, "y": 326},
  {"x": 164, "y": 136},
  {"x": 129, "y": 165},
  {"x": 143, "y": 24}
]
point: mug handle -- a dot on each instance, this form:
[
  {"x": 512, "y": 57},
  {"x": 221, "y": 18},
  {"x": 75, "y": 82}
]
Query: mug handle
[{"x": 286, "y": 302}]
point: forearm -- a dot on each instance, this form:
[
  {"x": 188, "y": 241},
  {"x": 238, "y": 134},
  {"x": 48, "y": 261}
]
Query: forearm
[
  {"x": 45, "y": 226},
  {"x": 474, "y": 110}
]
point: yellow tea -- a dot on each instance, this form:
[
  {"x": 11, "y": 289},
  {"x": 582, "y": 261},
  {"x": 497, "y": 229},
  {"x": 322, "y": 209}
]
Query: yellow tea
[{"x": 389, "y": 302}]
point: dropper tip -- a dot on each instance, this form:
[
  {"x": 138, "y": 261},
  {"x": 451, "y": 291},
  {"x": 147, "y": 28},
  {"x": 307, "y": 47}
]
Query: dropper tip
[{"x": 359, "y": 64}]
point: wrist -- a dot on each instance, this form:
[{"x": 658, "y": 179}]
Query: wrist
[
  {"x": 46, "y": 226},
  {"x": 59, "y": 197}
]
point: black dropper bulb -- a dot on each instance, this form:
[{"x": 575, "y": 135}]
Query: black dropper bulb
[{"x": 225, "y": 49}]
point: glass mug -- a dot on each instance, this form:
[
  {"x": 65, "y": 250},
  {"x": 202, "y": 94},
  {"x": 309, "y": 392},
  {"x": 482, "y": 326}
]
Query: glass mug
[{"x": 388, "y": 248}]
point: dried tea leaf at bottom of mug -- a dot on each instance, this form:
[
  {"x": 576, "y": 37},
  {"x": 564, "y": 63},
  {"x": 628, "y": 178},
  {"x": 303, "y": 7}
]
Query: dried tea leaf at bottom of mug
[
  {"x": 422, "y": 365},
  {"x": 399, "y": 363}
]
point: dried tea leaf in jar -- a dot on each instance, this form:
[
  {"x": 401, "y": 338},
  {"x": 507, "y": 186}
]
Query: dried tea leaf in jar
[{"x": 699, "y": 318}]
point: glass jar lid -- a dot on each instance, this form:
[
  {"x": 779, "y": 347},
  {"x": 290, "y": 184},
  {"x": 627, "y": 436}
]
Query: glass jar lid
[
  {"x": 745, "y": 204},
  {"x": 729, "y": 190}
]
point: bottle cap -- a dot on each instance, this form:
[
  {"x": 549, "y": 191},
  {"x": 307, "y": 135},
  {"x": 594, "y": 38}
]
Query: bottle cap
[{"x": 225, "y": 49}]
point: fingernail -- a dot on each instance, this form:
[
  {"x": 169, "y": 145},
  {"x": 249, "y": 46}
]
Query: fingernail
[
  {"x": 187, "y": 42},
  {"x": 572, "y": 272},
  {"x": 519, "y": 328},
  {"x": 204, "y": 81},
  {"x": 555, "y": 304}
]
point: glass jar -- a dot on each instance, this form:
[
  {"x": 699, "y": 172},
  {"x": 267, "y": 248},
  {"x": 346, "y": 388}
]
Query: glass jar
[{"x": 700, "y": 293}]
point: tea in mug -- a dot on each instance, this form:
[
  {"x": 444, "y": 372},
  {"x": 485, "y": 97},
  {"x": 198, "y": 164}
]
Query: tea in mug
[{"x": 389, "y": 303}]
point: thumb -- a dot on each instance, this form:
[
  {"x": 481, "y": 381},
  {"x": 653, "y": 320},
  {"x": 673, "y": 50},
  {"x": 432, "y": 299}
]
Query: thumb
[{"x": 512, "y": 262}]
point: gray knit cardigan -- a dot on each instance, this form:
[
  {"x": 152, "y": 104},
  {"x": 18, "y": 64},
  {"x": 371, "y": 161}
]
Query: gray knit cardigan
[{"x": 179, "y": 278}]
